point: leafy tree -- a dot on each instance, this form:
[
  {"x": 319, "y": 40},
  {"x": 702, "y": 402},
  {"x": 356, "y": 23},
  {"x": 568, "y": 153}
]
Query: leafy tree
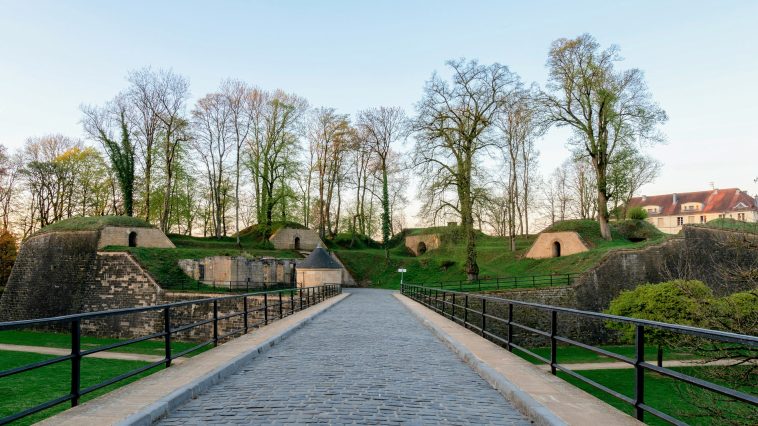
[
  {"x": 608, "y": 110},
  {"x": 99, "y": 123},
  {"x": 454, "y": 129}
]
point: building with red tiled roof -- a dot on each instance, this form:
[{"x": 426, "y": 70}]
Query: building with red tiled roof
[{"x": 669, "y": 212}]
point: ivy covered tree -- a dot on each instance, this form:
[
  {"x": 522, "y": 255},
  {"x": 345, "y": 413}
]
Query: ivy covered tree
[{"x": 8, "y": 250}]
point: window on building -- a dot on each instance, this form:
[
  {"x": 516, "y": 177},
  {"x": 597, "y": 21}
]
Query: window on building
[
  {"x": 660, "y": 222},
  {"x": 721, "y": 216},
  {"x": 741, "y": 216},
  {"x": 703, "y": 219},
  {"x": 679, "y": 221}
]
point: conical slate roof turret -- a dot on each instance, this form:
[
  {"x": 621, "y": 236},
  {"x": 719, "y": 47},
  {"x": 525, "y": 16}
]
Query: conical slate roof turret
[{"x": 319, "y": 259}]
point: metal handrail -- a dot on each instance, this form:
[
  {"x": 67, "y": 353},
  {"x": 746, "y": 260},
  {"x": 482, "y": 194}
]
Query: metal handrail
[
  {"x": 508, "y": 281},
  {"x": 443, "y": 301},
  {"x": 307, "y": 297}
]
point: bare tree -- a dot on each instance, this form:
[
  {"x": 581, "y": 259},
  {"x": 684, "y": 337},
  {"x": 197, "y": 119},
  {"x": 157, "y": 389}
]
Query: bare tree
[
  {"x": 241, "y": 101},
  {"x": 329, "y": 134},
  {"x": 171, "y": 92},
  {"x": 607, "y": 109},
  {"x": 453, "y": 130},
  {"x": 382, "y": 127},
  {"x": 520, "y": 124},
  {"x": 213, "y": 139},
  {"x": 142, "y": 96}
]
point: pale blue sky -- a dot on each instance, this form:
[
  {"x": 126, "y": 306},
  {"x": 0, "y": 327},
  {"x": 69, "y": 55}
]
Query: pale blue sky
[{"x": 700, "y": 59}]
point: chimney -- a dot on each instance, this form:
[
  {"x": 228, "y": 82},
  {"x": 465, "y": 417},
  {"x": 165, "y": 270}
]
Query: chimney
[
  {"x": 644, "y": 198},
  {"x": 756, "y": 200},
  {"x": 674, "y": 198}
]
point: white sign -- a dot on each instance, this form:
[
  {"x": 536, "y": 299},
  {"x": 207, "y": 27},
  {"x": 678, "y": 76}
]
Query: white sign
[{"x": 402, "y": 270}]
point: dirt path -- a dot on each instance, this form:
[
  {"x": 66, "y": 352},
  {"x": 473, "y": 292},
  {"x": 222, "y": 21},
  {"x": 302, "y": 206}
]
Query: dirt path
[
  {"x": 123, "y": 356},
  {"x": 619, "y": 365}
]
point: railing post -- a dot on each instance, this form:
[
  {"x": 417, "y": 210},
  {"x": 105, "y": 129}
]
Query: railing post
[
  {"x": 442, "y": 305},
  {"x": 465, "y": 310},
  {"x": 639, "y": 376},
  {"x": 510, "y": 327},
  {"x": 167, "y": 332},
  {"x": 265, "y": 308},
  {"x": 484, "y": 318},
  {"x": 247, "y": 284},
  {"x": 281, "y": 311},
  {"x": 301, "y": 298},
  {"x": 292, "y": 302},
  {"x": 76, "y": 361},
  {"x": 244, "y": 310},
  {"x": 215, "y": 322},
  {"x": 452, "y": 307},
  {"x": 553, "y": 342}
]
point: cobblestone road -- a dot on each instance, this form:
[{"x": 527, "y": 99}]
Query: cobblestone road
[{"x": 366, "y": 361}]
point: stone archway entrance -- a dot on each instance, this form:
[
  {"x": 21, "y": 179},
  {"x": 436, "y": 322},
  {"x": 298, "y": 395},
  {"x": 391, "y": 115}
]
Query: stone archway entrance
[
  {"x": 421, "y": 249},
  {"x": 556, "y": 249},
  {"x": 132, "y": 239},
  {"x": 297, "y": 243}
]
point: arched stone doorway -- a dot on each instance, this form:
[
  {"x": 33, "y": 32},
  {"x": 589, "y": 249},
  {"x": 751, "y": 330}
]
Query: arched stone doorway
[
  {"x": 297, "y": 243},
  {"x": 421, "y": 249},
  {"x": 556, "y": 249},
  {"x": 132, "y": 239}
]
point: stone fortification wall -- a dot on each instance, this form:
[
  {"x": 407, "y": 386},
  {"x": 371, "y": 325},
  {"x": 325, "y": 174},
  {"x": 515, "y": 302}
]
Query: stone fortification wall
[
  {"x": 145, "y": 237},
  {"x": 239, "y": 270},
  {"x": 51, "y": 276},
  {"x": 286, "y": 238},
  {"x": 419, "y": 244}
]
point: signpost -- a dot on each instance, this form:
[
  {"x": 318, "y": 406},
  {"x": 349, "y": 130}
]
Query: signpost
[{"x": 402, "y": 271}]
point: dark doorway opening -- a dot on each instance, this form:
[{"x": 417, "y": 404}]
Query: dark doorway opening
[
  {"x": 297, "y": 243},
  {"x": 132, "y": 239},
  {"x": 556, "y": 249},
  {"x": 421, "y": 249}
]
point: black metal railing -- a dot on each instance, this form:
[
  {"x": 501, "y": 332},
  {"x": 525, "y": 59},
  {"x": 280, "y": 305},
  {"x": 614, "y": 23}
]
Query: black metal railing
[
  {"x": 462, "y": 307},
  {"x": 240, "y": 286},
  {"x": 502, "y": 283},
  {"x": 275, "y": 304}
]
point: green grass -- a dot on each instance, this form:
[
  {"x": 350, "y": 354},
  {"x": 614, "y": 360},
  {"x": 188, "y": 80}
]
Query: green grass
[
  {"x": 63, "y": 340},
  {"x": 25, "y": 390},
  {"x": 661, "y": 393},
  {"x": 93, "y": 223},
  {"x": 493, "y": 256}
]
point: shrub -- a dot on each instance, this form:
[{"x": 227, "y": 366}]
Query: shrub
[
  {"x": 677, "y": 302},
  {"x": 637, "y": 213}
]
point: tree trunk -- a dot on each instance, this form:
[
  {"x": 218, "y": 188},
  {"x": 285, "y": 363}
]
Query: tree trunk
[
  {"x": 602, "y": 215},
  {"x": 385, "y": 213}
]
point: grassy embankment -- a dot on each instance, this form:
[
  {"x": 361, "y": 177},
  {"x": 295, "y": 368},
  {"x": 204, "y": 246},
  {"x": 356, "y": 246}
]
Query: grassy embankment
[{"x": 494, "y": 257}]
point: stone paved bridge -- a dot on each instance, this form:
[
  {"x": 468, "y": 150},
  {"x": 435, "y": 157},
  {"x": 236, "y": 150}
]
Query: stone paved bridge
[{"x": 366, "y": 360}]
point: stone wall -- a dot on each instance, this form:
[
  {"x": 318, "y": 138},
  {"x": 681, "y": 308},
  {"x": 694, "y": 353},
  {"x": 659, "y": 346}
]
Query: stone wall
[
  {"x": 240, "y": 270},
  {"x": 544, "y": 246},
  {"x": 51, "y": 276},
  {"x": 284, "y": 239},
  {"x": 146, "y": 237},
  {"x": 429, "y": 241}
]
